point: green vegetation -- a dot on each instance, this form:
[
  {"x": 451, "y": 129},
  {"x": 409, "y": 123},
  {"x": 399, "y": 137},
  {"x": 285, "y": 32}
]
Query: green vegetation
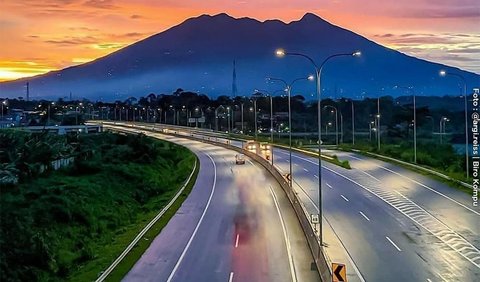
[
  {"x": 71, "y": 223},
  {"x": 439, "y": 157}
]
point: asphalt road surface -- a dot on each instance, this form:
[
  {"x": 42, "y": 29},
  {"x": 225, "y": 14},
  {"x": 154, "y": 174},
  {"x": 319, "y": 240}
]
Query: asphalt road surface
[
  {"x": 396, "y": 225},
  {"x": 236, "y": 225}
]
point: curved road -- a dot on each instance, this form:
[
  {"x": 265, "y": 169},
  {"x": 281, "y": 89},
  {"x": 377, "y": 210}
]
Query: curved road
[
  {"x": 236, "y": 225},
  {"x": 390, "y": 219},
  {"x": 395, "y": 224}
]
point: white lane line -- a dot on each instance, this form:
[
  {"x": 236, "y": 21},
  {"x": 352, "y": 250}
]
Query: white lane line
[
  {"x": 199, "y": 222},
  {"x": 316, "y": 176},
  {"x": 369, "y": 175},
  {"x": 295, "y": 164},
  {"x": 406, "y": 177},
  {"x": 365, "y": 216},
  {"x": 306, "y": 170},
  {"x": 396, "y": 247},
  {"x": 329, "y": 186},
  {"x": 345, "y": 198},
  {"x": 429, "y": 188},
  {"x": 236, "y": 241},
  {"x": 353, "y": 157},
  {"x": 429, "y": 280},
  {"x": 285, "y": 235},
  {"x": 230, "y": 278}
]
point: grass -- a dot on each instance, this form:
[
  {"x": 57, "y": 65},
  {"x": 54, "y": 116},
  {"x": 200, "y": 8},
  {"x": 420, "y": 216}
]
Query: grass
[
  {"x": 72, "y": 223},
  {"x": 111, "y": 251}
]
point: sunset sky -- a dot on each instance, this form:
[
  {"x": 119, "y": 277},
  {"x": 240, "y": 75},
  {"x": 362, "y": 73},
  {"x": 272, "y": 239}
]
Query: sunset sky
[{"x": 41, "y": 35}]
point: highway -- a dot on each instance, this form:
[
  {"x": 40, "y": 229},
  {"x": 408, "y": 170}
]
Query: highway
[
  {"x": 236, "y": 225},
  {"x": 389, "y": 226},
  {"x": 395, "y": 224}
]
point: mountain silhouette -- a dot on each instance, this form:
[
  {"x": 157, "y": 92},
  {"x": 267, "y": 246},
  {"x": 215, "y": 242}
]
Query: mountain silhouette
[{"x": 197, "y": 55}]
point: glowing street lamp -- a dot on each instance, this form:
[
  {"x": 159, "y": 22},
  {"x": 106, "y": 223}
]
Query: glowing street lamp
[
  {"x": 318, "y": 71},
  {"x": 289, "y": 90},
  {"x": 444, "y": 73}
]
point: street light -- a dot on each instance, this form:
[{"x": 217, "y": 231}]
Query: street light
[
  {"x": 353, "y": 123},
  {"x": 336, "y": 121},
  {"x": 260, "y": 91},
  {"x": 289, "y": 91},
  {"x": 4, "y": 102},
  {"x": 411, "y": 89},
  {"x": 445, "y": 73},
  {"x": 49, "y": 109},
  {"x": 257, "y": 91},
  {"x": 443, "y": 121},
  {"x": 318, "y": 72}
]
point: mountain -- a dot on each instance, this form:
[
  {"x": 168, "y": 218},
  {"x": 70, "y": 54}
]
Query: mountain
[{"x": 197, "y": 55}]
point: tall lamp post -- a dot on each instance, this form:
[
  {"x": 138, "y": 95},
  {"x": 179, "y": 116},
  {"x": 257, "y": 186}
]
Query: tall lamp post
[
  {"x": 443, "y": 122},
  {"x": 411, "y": 89},
  {"x": 464, "y": 81},
  {"x": 336, "y": 121},
  {"x": 289, "y": 92},
  {"x": 353, "y": 123},
  {"x": 4, "y": 102},
  {"x": 318, "y": 73},
  {"x": 259, "y": 91}
]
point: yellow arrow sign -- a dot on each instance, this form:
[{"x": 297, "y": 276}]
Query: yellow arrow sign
[{"x": 339, "y": 272}]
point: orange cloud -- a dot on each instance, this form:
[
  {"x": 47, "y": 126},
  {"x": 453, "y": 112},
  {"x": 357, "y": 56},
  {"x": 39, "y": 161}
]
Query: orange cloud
[{"x": 64, "y": 31}]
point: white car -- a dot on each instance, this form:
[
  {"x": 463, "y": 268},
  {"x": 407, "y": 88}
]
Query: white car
[{"x": 239, "y": 159}]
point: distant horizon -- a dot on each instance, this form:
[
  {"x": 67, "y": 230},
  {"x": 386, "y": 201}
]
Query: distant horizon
[{"x": 439, "y": 35}]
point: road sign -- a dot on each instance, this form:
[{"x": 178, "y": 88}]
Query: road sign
[
  {"x": 339, "y": 272},
  {"x": 315, "y": 219},
  {"x": 288, "y": 176}
]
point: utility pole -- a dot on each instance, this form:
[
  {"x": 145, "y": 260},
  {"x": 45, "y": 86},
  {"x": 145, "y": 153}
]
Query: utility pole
[{"x": 28, "y": 91}]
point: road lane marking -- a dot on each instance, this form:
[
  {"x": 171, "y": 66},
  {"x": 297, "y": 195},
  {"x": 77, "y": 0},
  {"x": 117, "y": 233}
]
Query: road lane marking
[
  {"x": 230, "y": 278},
  {"x": 316, "y": 176},
  {"x": 199, "y": 222},
  {"x": 406, "y": 177},
  {"x": 295, "y": 164},
  {"x": 431, "y": 189},
  {"x": 365, "y": 216},
  {"x": 428, "y": 280},
  {"x": 285, "y": 235},
  {"x": 345, "y": 198},
  {"x": 236, "y": 240},
  {"x": 396, "y": 247},
  {"x": 306, "y": 170},
  {"x": 329, "y": 186},
  {"x": 369, "y": 175}
]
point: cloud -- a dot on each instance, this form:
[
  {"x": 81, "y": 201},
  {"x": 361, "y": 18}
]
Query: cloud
[
  {"x": 427, "y": 38},
  {"x": 73, "y": 41},
  {"x": 439, "y": 13},
  {"x": 83, "y": 29},
  {"x": 135, "y": 17},
  {"x": 386, "y": 35},
  {"x": 109, "y": 46},
  {"x": 100, "y": 4}
]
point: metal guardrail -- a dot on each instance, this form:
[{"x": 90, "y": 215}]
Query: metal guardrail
[
  {"x": 321, "y": 260},
  {"x": 117, "y": 261}
]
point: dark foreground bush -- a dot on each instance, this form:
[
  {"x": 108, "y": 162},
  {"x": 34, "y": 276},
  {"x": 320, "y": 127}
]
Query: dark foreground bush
[{"x": 54, "y": 223}]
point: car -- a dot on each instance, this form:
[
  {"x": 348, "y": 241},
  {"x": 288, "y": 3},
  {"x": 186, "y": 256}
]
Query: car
[{"x": 239, "y": 159}]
